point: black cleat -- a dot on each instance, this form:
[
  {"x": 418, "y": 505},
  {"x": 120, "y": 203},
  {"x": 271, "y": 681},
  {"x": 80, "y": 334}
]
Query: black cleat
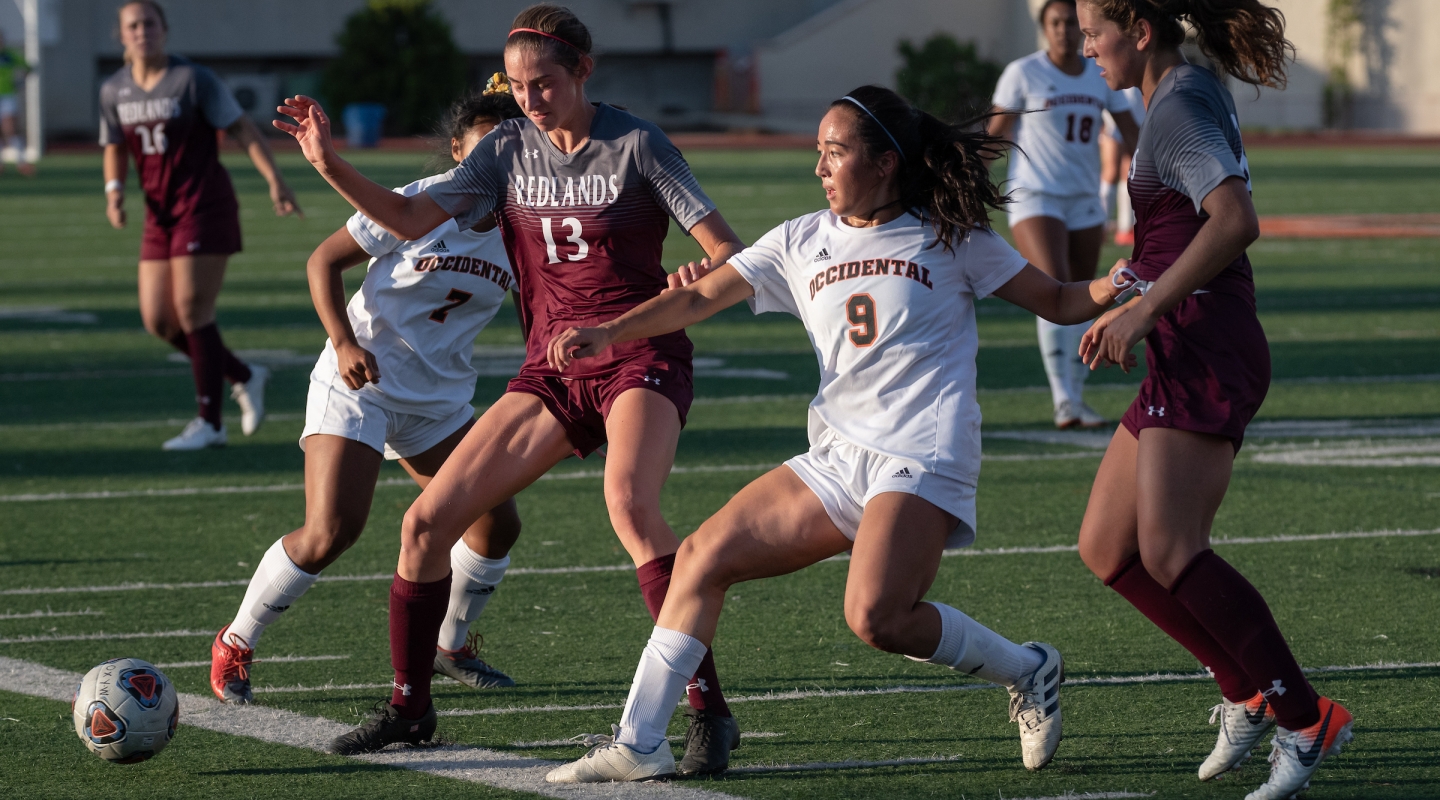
[
  {"x": 385, "y": 727},
  {"x": 708, "y": 742}
]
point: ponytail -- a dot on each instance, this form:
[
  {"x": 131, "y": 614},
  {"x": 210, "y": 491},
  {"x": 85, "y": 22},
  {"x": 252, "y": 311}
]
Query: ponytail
[
  {"x": 944, "y": 170},
  {"x": 1245, "y": 38}
]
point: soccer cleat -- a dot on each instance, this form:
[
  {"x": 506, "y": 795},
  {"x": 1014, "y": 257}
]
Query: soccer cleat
[
  {"x": 1035, "y": 705},
  {"x": 1088, "y": 417},
  {"x": 1241, "y": 726},
  {"x": 464, "y": 666},
  {"x": 708, "y": 742},
  {"x": 198, "y": 435},
  {"x": 613, "y": 761},
  {"x": 385, "y": 727},
  {"x": 1066, "y": 416},
  {"x": 251, "y": 397},
  {"x": 230, "y": 669},
  {"x": 1295, "y": 755}
]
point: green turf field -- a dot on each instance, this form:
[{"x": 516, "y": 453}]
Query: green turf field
[{"x": 1348, "y": 441}]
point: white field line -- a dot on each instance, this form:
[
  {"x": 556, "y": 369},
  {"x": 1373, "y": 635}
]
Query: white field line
[
  {"x": 141, "y": 423},
  {"x": 471, "y": 764},
  {"x": 45, "y": 614},
  {"x": 589, "y": 740},
  {"x": 832, "y": 694},
  {"x": 1088, "y": 796},
  {"x": 329, "y": 687},
  {"x": 990, "y": 551},
  {"x": 751, "y": 769},
  {"x": 1354, "y": 453},
  {"x": 270, "y": 660},
  {"x": 101, "y": 636}
]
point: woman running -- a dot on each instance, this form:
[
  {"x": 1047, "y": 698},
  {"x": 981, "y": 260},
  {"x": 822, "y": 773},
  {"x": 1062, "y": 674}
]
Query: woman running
[
  {"x": 1055, "y": 97},
  {"x": 165, "y": 111},
  {"x": 584, "y": 194},
  {"x": 1147, "y": 528},
  {"x": 1115, "y": 167},
  {"x": 885, "y": 281},
  {"x": 393, "y": 382}
]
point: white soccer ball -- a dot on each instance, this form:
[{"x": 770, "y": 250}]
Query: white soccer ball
[{"x": 125, "y": 710}]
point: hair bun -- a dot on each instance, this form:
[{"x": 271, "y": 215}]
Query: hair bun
[{"x": 498, "y": 84}]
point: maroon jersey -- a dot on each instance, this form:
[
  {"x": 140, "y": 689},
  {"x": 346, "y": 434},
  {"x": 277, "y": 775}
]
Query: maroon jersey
[
  {"x": 171, "y": 132},
  {"x": 584, "y": 230}
]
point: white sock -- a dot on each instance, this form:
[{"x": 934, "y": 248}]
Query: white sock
[
  {"x": 1107, "y": 197},
  {"x": 969, "y": 647},
  {"x": 669, "y": 661},
  {"x": 1124, "y": 214},
  {"x": 473, "y": 580},
  {"x": 277, "y": 584},
  {"x": 1052, "y": 352},
  {"x": 1075, "y": 369}
]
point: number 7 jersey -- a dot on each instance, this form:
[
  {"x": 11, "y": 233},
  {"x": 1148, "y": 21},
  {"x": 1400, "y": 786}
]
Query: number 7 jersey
[{"x": 892, "y": 322}]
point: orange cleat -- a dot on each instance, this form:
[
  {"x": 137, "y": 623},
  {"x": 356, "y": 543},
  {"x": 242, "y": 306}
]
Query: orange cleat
[
  {"x": 230, "y": 669},
  {"x": 1295, "y": 755},
  {"x": 1125, "y": 238}
]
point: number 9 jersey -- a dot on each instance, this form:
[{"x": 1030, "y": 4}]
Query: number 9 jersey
[{"x": 891, "y": 316}]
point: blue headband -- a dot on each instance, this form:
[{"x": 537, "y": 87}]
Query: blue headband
[{"x": 891, "y": 136}]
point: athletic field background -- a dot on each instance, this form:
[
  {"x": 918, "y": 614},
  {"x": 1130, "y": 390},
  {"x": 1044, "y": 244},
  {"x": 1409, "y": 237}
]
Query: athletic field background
[{"x": 110, "y": 547}]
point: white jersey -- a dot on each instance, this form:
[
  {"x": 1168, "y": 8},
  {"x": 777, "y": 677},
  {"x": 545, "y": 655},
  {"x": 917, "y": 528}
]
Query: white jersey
[
  {"x": 892, "y": 321},
  {"x": 1057, "y": 144},
  {"x": 419, "y": 310}
]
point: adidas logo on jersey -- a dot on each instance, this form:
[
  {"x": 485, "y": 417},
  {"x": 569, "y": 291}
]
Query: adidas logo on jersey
[
  {"x": 439, "y": 247},
  {"x": 903, "y": 473},
  {"x": 823, "y": 255}
]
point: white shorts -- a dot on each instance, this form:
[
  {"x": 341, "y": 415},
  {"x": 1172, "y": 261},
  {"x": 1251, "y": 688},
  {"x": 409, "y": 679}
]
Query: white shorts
[
  {"x": 846, "y": 476},
  {"x": 8, "y": 106},
  {"x": 338, "y": 410},
  {"x": 1078, "y": 211}
]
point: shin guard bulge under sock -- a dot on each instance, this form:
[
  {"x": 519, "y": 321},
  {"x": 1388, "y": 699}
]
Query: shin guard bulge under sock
[
  {"x": 473, "y": 580},
  {"x": 669, "y": 659},
  {"x": 1134, "y": 583},
  {"x": 416, "y": 611},
  {"x": 1237, "y": 616},
  {"x": 969, "y": 647},
  {"x": 276, "y": 585},
  {"x": 704, "y": 691}
]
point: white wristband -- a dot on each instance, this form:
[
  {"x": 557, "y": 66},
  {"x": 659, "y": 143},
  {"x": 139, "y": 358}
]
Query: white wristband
[{"x": 114, "y": 186}]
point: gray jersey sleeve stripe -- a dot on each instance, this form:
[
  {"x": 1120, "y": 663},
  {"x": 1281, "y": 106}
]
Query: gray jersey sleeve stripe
[
  {"x": 471, "y": 190},
  {"x": 671, "y": 182},
  {"x": 1191, "y": 152}
]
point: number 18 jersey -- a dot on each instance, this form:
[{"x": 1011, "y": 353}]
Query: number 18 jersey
[{"x": 892, "y": 321}]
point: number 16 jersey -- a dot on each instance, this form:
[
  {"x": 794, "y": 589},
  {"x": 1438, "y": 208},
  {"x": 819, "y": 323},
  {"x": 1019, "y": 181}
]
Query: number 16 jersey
[{"x": 892, "y": 321}]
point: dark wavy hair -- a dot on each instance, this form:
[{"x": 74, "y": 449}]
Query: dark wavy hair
[
  {"x": 944, "y": 175},
  {"x": 464, "y": 114},
  {"x": 1245, "y": 38},
  {"x": 559, "y": 22},
  {"x": 1040, "y": 17}
]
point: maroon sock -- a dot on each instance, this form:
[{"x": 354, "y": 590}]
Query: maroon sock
[
  {"x": 236, "y": 371},
  {"x": 1238, "y": 617},
  {"x": 416, "y": 613},
  {"x": 704, "y": 688},
  {"x": 207, "y": 362},
  {"x": 1134, "y": 583}
]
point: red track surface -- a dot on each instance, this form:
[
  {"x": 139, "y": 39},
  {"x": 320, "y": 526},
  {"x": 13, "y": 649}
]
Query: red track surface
[{"x": 1351, "y": 226}]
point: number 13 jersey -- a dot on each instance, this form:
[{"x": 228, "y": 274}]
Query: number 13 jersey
[
  {"x": 892, "y": 321},
  {"x": 584, "y": 229}
]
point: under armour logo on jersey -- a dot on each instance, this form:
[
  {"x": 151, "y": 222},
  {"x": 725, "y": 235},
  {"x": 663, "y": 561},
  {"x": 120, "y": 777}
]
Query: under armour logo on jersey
[
  {"x": 1155, "y": 411},
  {"x": 823, "y": 255},
  {"x": 439, "y": 247},
  {"x": 1276, "y": 689},
  {"x": 698, "y": 684},
  {"x": 903, "y": 473},
  {"x": 651, "y": 379},
  {"x": 405, "y": 690},
  {"x": 530, "y": 153}
]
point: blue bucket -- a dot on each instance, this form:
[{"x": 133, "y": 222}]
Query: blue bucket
[{"x": 363, "y": 124}]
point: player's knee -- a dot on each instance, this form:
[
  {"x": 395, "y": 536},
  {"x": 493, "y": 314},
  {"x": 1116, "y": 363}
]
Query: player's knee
[
  {"x": 877, "y": 624},
  {"x": 416, "y": 528},
  {"x": 630, "y": 512},
  {"x": 1096, "y": 557},
  {"x": 159, "y": 327},
  {"x": 701, "y": 564}
]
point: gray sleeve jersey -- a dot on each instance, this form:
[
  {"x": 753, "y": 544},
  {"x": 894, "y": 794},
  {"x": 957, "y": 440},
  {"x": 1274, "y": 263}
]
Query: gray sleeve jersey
[
  {"x": 216, "y": 101},
  {"x": 1191, "y": 138}
]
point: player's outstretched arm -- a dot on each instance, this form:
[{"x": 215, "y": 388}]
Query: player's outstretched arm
[
  {"x": 666, "y": 313},
  {"x": 336, "y": 254},
  {"x": 407, "y": 218},
  {"x": 1061, "y": 303}
]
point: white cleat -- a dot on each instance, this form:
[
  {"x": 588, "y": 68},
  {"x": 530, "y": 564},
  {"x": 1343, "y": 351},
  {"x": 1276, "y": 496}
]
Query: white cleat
[
  {"x": 1035, "y": 705},
  {"x": 1242, "y": 725},
  {"x": 1066, "y": 415},
  {"x": 198, "y": 435},
  {"x": 613, "y": 761},
  {"x": 1295, "y": 755},
  {"x": 1089, "y": 417},
  {"x": 251, "y": 397}
]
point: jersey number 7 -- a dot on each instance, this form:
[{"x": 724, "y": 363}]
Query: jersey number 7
[
  {"x": 860, "y": 312},
  {"x": 456, "y": 298}
]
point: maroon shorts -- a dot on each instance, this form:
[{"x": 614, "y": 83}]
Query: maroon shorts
[
  {"x": 1209, "y": 369},
  {"x": 582, "y": 404},
  {"x": 202, "y": 233}
]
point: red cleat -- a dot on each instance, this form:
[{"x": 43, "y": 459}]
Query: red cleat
[
  {"x": 230, "y": 669},
  {"x": 1125, "y": 238}
]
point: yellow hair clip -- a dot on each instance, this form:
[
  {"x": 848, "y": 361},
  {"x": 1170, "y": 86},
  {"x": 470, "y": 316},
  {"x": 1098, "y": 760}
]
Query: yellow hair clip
[{"x": 498, "y": 84}]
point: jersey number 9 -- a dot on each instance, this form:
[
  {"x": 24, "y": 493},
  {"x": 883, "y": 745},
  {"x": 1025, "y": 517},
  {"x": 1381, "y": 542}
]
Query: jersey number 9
[{"x": 860, "y": 311}]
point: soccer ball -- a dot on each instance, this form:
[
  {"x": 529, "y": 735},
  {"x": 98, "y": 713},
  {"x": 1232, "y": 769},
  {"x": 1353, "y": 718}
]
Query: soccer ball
[{"x": 125, "y": 710}]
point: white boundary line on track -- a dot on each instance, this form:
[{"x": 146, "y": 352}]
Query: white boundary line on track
[
  {"x": 472, "y": 764},
  {"x": 101, "y": 636},
  {"x": 46, "y": 614},
  {"x": 969, "y": 552}
]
